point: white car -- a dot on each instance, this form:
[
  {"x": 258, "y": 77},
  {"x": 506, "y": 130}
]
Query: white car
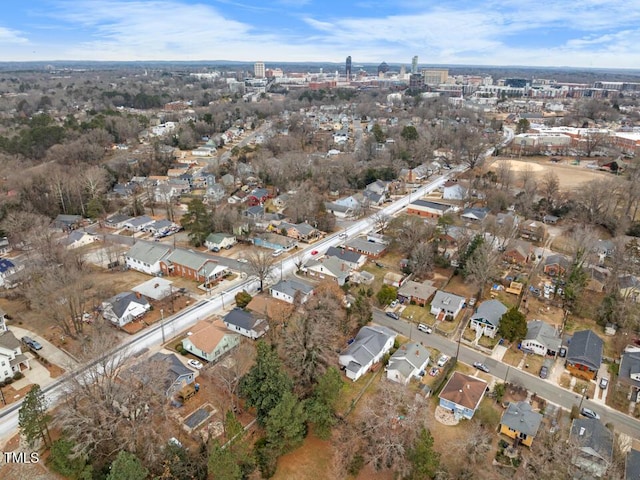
[
  {"x": 242, "y": 260},
  {"x": 195, "y": 364},
  {"x": 443, "y": 360},
  {"x": 425, "y": 328}
]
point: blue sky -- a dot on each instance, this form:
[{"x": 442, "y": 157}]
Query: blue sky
[{"x": 586, "y": 33}]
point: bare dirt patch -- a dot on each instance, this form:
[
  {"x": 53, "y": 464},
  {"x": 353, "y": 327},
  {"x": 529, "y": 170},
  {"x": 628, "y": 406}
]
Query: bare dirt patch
[{"x": 312, "y": 460}]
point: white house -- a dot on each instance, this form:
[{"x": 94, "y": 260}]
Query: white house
[
  {"x": 445, "y": 303},
  {"x": 244, "y": 323},
  {"x": 78, "y": 238},
  {"x": 453, "y": 191},
  {"x": 407, "y": 362},
  {"x": 288, "y": 290},
  {"x": 12, "y": 360},
  {"x": 218, "y": 241},
  {"x": 145, "y": 257},
  {"x": 138, "y": 224},
  {"x": 541, "y": 339},
  {"x": 124, "y": 308},
  {"x": 487, "y": 317},
  {"x": 369, "y": 346}
]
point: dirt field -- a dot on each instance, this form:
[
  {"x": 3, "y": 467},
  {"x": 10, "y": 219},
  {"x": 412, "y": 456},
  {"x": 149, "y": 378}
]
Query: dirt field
[{"x": 570, "y": 176}]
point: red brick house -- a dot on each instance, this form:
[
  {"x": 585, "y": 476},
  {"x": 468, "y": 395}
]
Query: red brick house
[
  {"x": 192, "y": 265},
  {"x": 258, "y": 197}
]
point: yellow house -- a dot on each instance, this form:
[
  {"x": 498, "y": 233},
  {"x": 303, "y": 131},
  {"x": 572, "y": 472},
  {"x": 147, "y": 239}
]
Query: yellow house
[{"x": 520, "y": 422}]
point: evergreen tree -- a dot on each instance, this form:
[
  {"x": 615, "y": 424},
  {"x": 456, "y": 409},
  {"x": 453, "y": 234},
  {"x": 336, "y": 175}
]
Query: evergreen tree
[
  {"x": 321, "y": 406},
  {"x": 33, "y": 419},
  {"x": 285, "y": 423},
  {"x": 513, "y": 325},
  {"x": 197, "y": 222},
  {"x": 266, "y": 382},
  {"x": 127, "y": 466},
  {"x": 409, "y": 133},
  {"x": 424, "y": 459}
]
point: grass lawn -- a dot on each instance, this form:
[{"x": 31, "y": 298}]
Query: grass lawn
[
  {"x": 458, "y": 286},
  {"x": 565, "y": 380},
  {"x": 534, "y": 362},
  {"x": 311, "y": 460},
  {"x": 418, "y": 314},
  {"x": 448, "y": 327},
  {"x": 512, "y": 357}
]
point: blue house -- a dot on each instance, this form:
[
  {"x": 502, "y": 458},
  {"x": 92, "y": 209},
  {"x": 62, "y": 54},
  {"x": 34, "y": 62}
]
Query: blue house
[{"x": 462, "y": 395}]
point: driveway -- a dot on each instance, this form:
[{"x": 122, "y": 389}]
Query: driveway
[{"x": 49, "y": 351}]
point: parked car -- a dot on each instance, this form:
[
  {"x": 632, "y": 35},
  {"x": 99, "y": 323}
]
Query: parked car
[
  {"x": 195, "y": 364},
  {"x": 314, "y": 252},
  {"x": 277, "y": 253},
  {"x": 481, "y": 366},
  {"x": 31, "y": 343},
  {"x": 604, "y": 381},
  {"x": 343, "y": 235},
  {"x": 544, "y": 371},
  {"x": 472, "y": 301},
  {"x": 242, "y": 260},
  {"x": 563, "y": 352},
  {"x": 442, "y": 360},
  {"x": 393, "y": 315},
  {"x": 425, "y": 328},
  {"x": 587, "y": 412},
  {"x": 394, "y": 304}
]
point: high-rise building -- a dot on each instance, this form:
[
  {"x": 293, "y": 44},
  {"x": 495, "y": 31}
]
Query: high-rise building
[
  {"x": 414, "y": 65},
  {"x": 258, "y": 70},
  {"x": 435, "y": 76},
  {"x": 383, "y": 68},
  {"x": 348, "y": 67}
]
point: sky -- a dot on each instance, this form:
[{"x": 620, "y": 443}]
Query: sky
[{"x": 555, "y": 33}]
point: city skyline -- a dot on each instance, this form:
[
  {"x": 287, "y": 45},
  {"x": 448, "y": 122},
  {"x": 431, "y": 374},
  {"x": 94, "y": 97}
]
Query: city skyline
[{"x": 593, "y": 34}]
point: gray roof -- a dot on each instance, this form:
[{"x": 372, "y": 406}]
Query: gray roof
[
  {"x": 369, "y": 343},
  {"x": 172, "y": 368},
  {"x": 475, "y": 213},
  {"x": 422, "y": 290},
  {"x": 520, "y": 417},
  {"x": 241, "y": 318},
  {"x": 557, "y": 260},
  {"x": 433, "y": 205},
  {"x": 147, "y": 252},
  {"x": 67, "y": 220},
  {"x": 336, "y": 207},
  {"x": 188, "y": 258},
  {"x": 161, "y": 224},
  {"x": 629, "y": 364},
  {"x": 118, "y": 218},
  {"x": 447, "y": 301},
  {"x": 595, "y": 436},
  {"x": 303, "y": 228},
  {"x": 372, "y": 196},
  {"x": 291, "y": 287},
  {"x": 142, "y": 220},
  {"x": 121, "y": 301},
  {"x": 544, "y": 334},
  {"x": 628, "y": 281},
  {"x": 632, "y": 465},
  {"x": 218, "y": 237},
  {"x": 490, "y": 311},
  {"x": 338, "y": 268},
  {"x": 408, "y": 357},
  {"x": 255, "y": 211},
  {"x": 363, "y": 245},
  {"x": 8, "y": 340},
  {"x": 585, "y": 348},
  {"x": 343, "y": 254}
]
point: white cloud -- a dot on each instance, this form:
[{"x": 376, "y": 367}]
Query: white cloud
[{"x": 9, "y": 36}]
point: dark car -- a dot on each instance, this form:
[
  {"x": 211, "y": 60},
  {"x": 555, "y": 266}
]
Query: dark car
[
  {"x": 31, "y": 343},
  {"x": 563, "y": 352},
  {"x": 544, "y": 371},
  {"x": 481, "y": 366},
  {"x": 393, "y": 315}
]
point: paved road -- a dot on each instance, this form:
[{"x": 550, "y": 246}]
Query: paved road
[{"x": 543, "y": 388}]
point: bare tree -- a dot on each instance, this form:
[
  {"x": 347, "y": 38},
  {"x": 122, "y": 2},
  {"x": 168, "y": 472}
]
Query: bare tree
[
  {"x": 482, "y": 266},
  {"x": 505, "y": 174},
  {"x": 227, "y": 373},
  {"x": 381, "y": 221},
  {"x": 261, "y": 264},
  {"x": 422, "y": 259},
  {"x": 549, "y": 188}
]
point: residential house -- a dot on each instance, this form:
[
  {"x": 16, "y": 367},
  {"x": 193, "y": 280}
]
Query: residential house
[
  {"x": 7, "y": 270},
  {"x": 379, "y": 187},
  {"x": 462, "y": 395},
  {"x": 218, "y": 241},
  {"x": 328, "y": 268},
  {"x": 364, "y": 247},
  {"x": 255, "y": 212},
  {"x": 594, "y": 444},
  {"x": 124, "y": 308},
  {"x": 520, "y": 422},
  {"x": 369, "y": 346},
  {"x": 193, "y": 265},
  {"x": 415, "y": 292},
  {"x": 424, "y": 208},
  {"x": 300, "y": 231},
  {"x": 453, "y": 191},
  {"x": 138, "y": 224},
  {"x": 446, "y": 304},
  {"x": 77, "y": 239},
  {"x": 584, "y": 354},
  {"x": 344, "y": 207},
  {"x": 409, "y": 361},
  {"x": 145, "y": 257},
  {"x": 604, "y": 249},
  {"x": 290, "y": 290},
  {"x": 117, "y": 221},
  {"x": 67, "y": 223},
  {"x": 629, "y": 287},
  {"x": 475, "y": 214},
  {"x": 533, "y": 230},
  {"x": 487, "y": 317},
  {"x": 273, "y": 241},
  {"x": 258, "y": 197},
  {"x": 245, "y": 323},
  {"x": 629, "y": 372},
  {"x": 162, "y": 227},
  {"x": 598, "y": 277},
  {"x": 209, "y": 340},
  {"x": 173, "y": 374},
  {"x": 394, "y": 279},
  {"x": 5, "y": 246},
  {"x": 12, "y": 360},
  {"x": 518, "y": 252},
  {"x": 632, "y": 465},
  {"x": 353, "y": 259},
  {"x": 215, "y": 193},
  {"x": 556, "y": 265},
  {"x": 372, "y": 198},
  {"x": 541, "y": 339}
]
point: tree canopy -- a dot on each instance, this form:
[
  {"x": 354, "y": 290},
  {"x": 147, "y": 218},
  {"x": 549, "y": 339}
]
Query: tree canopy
[{"x": 513, "y": 325}]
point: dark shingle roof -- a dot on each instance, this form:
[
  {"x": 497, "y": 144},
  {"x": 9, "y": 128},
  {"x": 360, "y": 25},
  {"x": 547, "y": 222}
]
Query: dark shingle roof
[{"x": 585, "y": 348}]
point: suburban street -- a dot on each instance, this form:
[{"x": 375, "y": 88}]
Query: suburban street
[{"x": 501, "y": 371}]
